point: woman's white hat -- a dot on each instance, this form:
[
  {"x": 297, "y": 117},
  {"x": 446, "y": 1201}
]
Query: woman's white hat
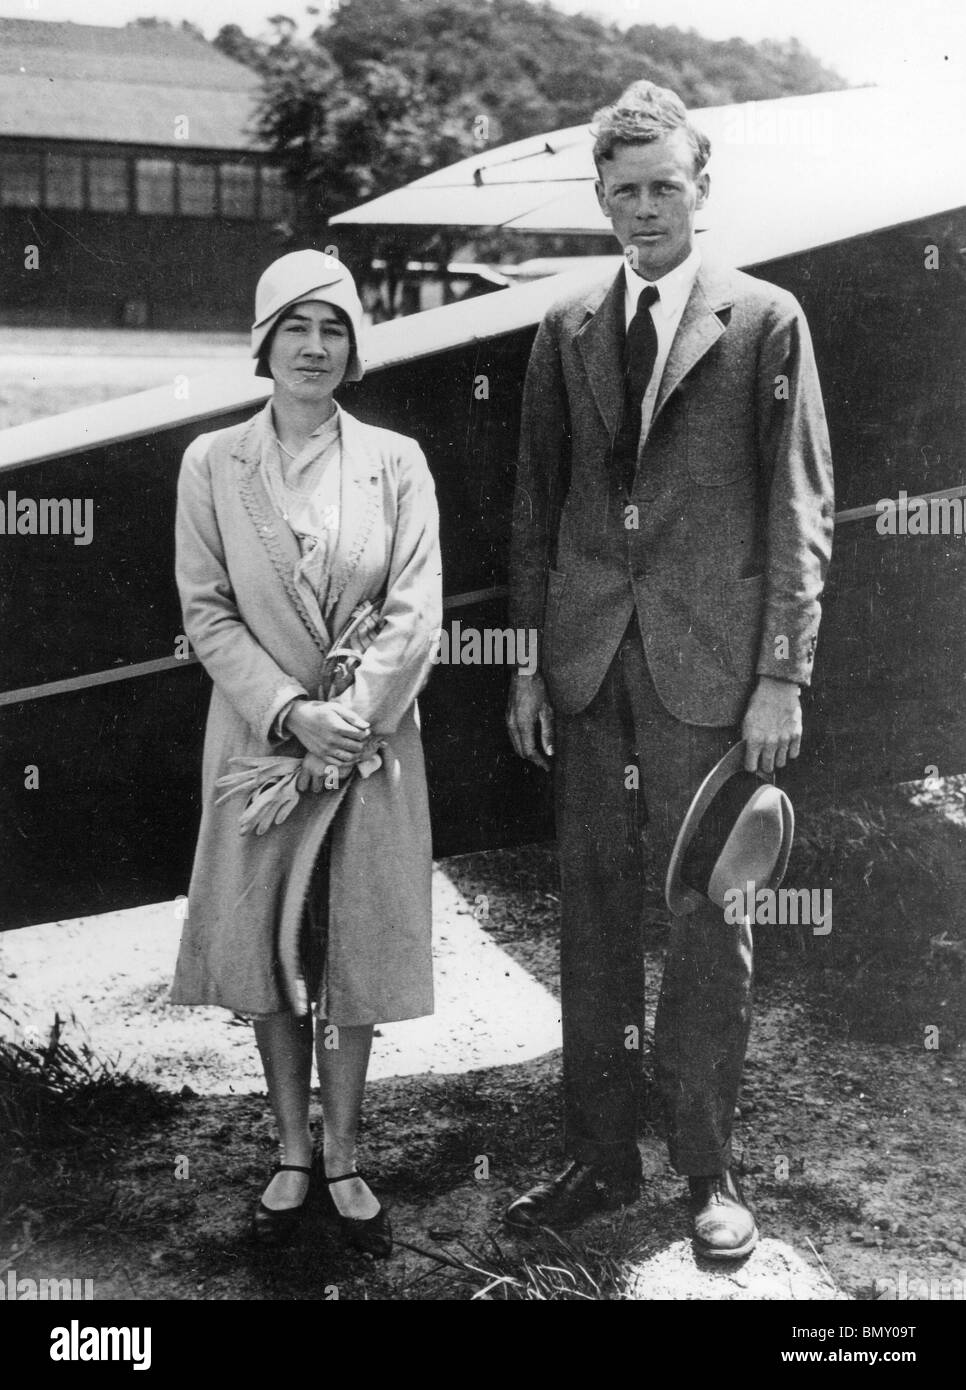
[{"x": 305, "y": 275}]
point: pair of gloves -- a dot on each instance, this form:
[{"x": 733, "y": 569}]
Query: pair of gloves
[
  {"x": 270, "y": 786},
  {"x": 270, "y": 782}
]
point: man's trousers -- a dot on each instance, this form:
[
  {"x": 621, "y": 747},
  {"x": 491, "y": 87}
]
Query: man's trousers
[{"x": 704, "y": 1008}]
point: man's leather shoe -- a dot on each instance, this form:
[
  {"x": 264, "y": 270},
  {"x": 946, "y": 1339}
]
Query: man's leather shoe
[
  {"x": 724, "y": 1228},
  {"x": 578, "y": 1192}
]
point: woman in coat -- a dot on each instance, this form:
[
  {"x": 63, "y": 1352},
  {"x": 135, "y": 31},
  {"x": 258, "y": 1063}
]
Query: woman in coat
[{"x": 285, "y": 526}]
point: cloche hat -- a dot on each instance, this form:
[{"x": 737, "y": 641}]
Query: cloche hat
[{"x": 302, "y": 275}]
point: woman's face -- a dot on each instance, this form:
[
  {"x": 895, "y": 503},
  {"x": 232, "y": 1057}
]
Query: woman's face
[{"x": 310, "y": 351}]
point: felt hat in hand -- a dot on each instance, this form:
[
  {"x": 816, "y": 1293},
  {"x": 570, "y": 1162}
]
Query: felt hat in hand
[{"x": 737, "y": 830}]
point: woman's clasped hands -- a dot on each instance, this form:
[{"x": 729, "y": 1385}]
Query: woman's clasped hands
[{"x": 334, "y": 736}]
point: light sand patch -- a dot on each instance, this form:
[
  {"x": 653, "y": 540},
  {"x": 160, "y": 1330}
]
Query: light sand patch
[
  {"x": 772, "y": 1272},
  {"x": 107, "y": 977}
]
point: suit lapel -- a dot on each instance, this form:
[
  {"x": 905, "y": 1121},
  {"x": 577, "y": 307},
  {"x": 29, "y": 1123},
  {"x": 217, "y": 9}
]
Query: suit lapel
[
  {"x": 699, "y": 328},
  {"x": 599, "y": 344}
]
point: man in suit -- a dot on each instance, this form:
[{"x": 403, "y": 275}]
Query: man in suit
[{"x": 672, "y": 529}]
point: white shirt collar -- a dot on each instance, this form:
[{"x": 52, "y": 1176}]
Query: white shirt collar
[{"x": 674, "y": 287}]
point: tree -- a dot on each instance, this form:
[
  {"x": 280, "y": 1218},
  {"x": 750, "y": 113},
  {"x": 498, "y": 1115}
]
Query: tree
[
  {"x": 232, "y": 40},
  {"x": 348, "y": 137},
  {"x": 152, "y": 22}
]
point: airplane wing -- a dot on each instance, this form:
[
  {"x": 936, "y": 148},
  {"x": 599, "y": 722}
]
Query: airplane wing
[{"x": 786, "y": 175}]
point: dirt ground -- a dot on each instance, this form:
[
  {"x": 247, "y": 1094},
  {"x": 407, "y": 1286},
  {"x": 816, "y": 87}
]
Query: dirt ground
[{"x": 851, "y": 1149}]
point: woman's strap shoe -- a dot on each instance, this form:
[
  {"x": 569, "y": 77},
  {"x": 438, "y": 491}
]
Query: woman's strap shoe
[
  {"x": 372, "y": 1235},
  {"x": 276, "y": 1226}
]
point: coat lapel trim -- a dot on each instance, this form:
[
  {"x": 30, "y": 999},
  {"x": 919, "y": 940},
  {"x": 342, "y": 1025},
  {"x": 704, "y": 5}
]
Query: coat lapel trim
[
  {"x": 598, "y": 342},
  {"x": 274, "y": 535},
  {"x": 360, "y": 501},
  {"x": 699, "y": 328}
]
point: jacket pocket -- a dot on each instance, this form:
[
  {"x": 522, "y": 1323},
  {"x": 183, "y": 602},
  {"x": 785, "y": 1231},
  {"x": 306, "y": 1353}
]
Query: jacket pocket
[
  {"x": 719, "y": 446},
  {"x": 743, "y": 607},
  {"x": 710, "y": 469}
]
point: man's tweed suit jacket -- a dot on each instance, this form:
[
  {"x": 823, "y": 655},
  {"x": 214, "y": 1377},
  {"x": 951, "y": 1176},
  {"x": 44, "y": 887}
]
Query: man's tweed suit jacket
[{"x": 724, "y": 542}]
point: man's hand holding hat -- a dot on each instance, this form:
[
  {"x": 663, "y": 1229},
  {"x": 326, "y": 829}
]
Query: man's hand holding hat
[{"x": 772, "y": 726}]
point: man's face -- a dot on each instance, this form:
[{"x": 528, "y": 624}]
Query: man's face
[{"x": 651, "y": 193}]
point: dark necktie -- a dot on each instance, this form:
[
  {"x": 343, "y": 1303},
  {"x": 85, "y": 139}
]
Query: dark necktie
[{"x": 640, "y": 354}]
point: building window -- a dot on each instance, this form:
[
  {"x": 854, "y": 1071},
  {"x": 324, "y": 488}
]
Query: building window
[
  {"x": 64, "y": 186},
  {"x": 107, "y": 184},
  {"x": 155, "y": 185},
  {"x": 19, "y": 179},
  {"x": 237, "y": 190},
  {"x": 276, "y": 197},
  {"x": 196, "y": 189}
]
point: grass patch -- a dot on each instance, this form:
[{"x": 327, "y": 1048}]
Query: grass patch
[
  {"x": 551, "y": 1269},
  {"x": 63, "y": 1110},
  {"x": 895, "y": 959}
]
